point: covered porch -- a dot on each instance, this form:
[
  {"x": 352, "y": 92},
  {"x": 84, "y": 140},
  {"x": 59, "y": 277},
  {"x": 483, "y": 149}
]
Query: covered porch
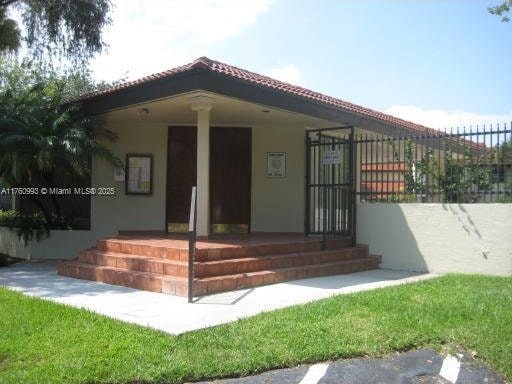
[{"x": 247, "y": 160}]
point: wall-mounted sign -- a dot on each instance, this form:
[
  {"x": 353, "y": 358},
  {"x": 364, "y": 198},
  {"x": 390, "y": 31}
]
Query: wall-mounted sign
[
  {"x": 139, "y": 174},
  {"x": 276, "y": 164},
  {"x": 331, "y": 157}
]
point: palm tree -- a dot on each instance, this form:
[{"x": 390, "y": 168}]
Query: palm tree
[{"x": 43, "y": 140}]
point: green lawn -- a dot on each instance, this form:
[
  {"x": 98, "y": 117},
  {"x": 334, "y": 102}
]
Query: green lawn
[{"x": 45, "y": 342}]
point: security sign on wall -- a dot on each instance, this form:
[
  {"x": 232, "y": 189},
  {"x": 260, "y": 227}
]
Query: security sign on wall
[
  {"x": 331, "y": 157},
  {"x": 276, "y": 164}
]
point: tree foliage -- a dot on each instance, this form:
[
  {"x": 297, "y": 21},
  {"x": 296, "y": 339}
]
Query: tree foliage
[
  {"x": 458, "y": 176},
  {"x": 502, "y": 10},
  {"x": 43, "y": 140},
  {"x": 59, "y": 28}
]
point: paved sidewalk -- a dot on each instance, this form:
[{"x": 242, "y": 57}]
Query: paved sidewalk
[{"x": 173, "y": 314}]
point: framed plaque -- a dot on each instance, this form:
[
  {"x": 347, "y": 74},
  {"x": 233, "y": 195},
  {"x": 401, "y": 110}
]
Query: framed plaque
[{"x": 139, "y": 174}]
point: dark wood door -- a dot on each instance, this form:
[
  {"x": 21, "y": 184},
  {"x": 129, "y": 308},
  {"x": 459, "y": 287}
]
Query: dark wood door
[
  {"x": 230, "y": 179},
  {"x": 181, "y": 175}
]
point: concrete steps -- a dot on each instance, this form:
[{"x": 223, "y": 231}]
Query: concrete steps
[{"x": 160, "y": 265}]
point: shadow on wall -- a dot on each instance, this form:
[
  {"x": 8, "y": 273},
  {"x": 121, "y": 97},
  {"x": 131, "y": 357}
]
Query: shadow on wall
[
  {"x": 463, "y": 218},
  {"x": 386, "y": 230},
  {"x": 439, "y": 238}
]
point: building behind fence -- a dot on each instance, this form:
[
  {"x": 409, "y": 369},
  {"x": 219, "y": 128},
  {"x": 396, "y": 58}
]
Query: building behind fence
[{"x": 463, "y": 165}]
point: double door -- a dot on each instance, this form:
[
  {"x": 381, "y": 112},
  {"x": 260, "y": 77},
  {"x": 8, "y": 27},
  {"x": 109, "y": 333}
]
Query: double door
[{"x": 230, "y": 178}]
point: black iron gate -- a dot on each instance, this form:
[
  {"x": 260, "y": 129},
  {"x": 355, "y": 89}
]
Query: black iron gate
[{"x": 330, "y": 187}]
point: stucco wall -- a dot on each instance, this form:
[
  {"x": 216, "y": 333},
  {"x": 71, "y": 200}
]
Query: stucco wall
[
  {"x": 278, "y": 203},
  {"x": 468, "y": 238},
  {"x": 139, "y": 212}
]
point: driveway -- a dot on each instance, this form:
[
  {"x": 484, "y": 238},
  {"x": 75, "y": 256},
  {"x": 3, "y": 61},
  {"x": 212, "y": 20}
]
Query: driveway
[{"x": 414, "y": 367}]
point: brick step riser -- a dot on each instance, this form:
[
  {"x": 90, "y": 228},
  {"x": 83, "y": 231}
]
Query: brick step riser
[
  {"x": 168, "y": 285},
  {"x": 128, "y": 248},
  {"x": 135, "y": 263},
  {"x": 235, "y": 266},
  {"x": 130, "y": 279},
  {"x": 213, "y": 254},
  {"x": 224, "y": 267},
  {"x": 229, "y": 283}
]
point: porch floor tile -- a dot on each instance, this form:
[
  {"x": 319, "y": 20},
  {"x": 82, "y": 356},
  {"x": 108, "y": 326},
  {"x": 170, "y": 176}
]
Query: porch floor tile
[{"x": 172, "y": 314}]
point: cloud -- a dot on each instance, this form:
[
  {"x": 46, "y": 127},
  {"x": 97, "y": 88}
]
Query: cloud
[
  {"x": 151, "y": 36},
  {"x": 439, "y": 118},
  {"x": 289, "y": 74}
]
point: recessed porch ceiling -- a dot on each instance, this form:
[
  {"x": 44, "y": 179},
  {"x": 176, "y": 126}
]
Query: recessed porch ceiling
[{"x": 225, "y": 111}]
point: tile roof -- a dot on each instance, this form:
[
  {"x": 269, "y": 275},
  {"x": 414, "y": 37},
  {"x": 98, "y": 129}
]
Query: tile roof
[{"x": 267, "y": 82}]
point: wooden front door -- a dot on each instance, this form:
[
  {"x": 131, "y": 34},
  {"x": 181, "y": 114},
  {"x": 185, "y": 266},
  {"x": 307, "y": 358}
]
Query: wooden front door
[
  {"x": 181, "y": 176},
  {"x": 230, "y": 178}
]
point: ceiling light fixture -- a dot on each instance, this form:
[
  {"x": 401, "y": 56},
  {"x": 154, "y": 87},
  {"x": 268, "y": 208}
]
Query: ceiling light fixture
[{"x": 143, "y": 112}]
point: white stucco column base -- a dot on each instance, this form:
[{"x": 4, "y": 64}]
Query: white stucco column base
[{"x": 203, "y": 104}]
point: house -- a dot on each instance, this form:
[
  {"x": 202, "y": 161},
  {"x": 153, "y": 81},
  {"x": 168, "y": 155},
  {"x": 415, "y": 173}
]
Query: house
[{"x": 267, "y": 157}]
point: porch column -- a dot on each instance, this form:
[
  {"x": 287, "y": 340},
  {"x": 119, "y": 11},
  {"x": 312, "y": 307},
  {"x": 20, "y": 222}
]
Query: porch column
[{"x": 202, "y": 104}]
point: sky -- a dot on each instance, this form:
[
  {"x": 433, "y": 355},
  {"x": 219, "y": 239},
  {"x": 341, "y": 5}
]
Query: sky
[{"x": 438, "y": 63}]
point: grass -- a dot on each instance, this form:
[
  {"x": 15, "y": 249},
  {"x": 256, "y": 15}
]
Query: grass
[{"x": 44, "y": 342}]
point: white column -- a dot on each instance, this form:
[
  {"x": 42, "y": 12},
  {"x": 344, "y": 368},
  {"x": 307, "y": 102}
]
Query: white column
[{"x": 203, "y": 104}]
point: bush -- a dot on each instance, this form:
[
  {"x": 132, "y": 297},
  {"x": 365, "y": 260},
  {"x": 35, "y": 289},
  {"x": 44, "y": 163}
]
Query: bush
[{"x": 28, "y": 227}]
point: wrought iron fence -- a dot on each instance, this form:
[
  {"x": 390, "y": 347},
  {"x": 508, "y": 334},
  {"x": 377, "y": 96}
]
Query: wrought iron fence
[
  {"x": 330, "y": 208},
  {"x": 462, "y": 165}
]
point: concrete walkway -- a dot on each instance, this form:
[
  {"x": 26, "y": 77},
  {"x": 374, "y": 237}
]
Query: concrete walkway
[{"x": 173, "y": 314}]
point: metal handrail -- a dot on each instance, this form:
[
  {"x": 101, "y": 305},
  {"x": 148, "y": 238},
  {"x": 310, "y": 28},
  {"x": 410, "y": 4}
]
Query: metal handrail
[{"x": 192, "y": 243}]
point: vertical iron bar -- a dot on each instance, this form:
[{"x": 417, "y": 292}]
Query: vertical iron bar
[
  {"x": 439, "y": 160},
  {"x": 352, "y": 199},
  {"x": 316, "y": 213},
  {"x": 400, "y": 167},
  {"x": 395, "y": 166},
  {"x": 322, "y": 182},
  {"x": 308, "y": 184},
  {"x": 425, "y": 154},
  {"x": 333, "y": 188},
  {"x": 372, "y": 137},
  {"x": 387, "y": 170},
  {"x": 492, "y": 158},
  {"x": 423, "y": 177},
  {"x": 365, "y": 168},
  {"x": 473, "y": 165},
  {"x": 192, "y": 243},
  {"x": 415, "y": 162},
  {"x": 500, "y": 160},
  {"x": 406, "y": 168}
]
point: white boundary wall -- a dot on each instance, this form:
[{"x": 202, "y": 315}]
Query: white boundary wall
[
  {"x": 439, "y": 238},
  {"x": 11, "y": 245},
  {"x": 61, "y": 244}
]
